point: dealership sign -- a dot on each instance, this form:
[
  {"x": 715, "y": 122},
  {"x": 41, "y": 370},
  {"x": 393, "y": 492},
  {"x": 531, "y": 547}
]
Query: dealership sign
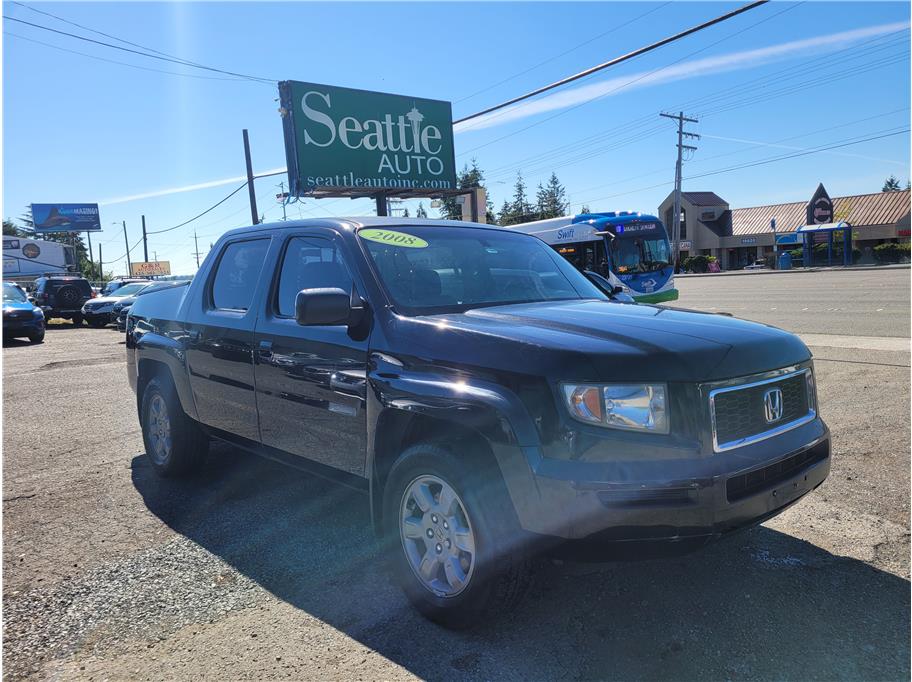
[
  {"x": 150, "y": 268},
  {"x": 65, "y": 218},
  {"x": 355, "y": 140}
]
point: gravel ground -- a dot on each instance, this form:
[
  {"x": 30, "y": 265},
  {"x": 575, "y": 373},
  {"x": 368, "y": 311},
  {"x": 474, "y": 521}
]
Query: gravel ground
[{"x": 252, "y": 571}]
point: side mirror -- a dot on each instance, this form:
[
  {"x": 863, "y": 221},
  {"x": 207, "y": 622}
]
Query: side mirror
[{"x": 316, "y": 307}]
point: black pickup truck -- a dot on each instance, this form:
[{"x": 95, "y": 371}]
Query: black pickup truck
[{"x": 491, "y": 400}]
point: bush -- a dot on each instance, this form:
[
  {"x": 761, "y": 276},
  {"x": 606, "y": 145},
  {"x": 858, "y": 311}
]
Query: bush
[
  {"x": 820, "y": 253},
  {"x": 891, "y": 253},
  {"x": 698, "y": 263}
]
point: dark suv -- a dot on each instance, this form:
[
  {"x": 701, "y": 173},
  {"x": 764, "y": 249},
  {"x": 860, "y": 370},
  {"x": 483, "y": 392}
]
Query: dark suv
[
  {"x": 62, "y": 296},
  {"x": 490, "y": 400}
]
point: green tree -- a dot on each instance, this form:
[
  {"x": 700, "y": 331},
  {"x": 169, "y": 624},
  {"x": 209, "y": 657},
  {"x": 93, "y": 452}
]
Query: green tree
[
  {"x": 421, "y": 213},
  {"x": 891, "y": 184},
  {"x": 584, "y": 209},
  {"x": 10, "y": 229},
  {"x": 551, "y": 199},
  {"x": 405, "y": 212},
  {"x": 519, "y": 210}
]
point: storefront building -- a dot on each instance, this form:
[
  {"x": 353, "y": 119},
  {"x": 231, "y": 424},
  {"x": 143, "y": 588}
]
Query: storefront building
[{"x": 740, "y": 236}]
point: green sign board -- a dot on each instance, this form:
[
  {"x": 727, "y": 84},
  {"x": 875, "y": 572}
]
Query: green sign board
[{"x": 368, "y": 142}]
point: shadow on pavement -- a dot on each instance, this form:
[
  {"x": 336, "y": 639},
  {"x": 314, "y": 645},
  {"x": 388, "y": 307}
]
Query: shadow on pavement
[{"x": 761, "y": 604}]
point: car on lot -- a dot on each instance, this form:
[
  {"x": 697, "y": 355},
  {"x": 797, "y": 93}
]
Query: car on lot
[
  {"x": 21, "y": 318},
  {"x": 757, "y": 265},
  {"x": 62, "y": 296},
  {"x": 100, "y": 311},
  {"x": 123, "y": 305},
  {"x": 115, "y": 284},
  {"x": 491, "y": 401}
]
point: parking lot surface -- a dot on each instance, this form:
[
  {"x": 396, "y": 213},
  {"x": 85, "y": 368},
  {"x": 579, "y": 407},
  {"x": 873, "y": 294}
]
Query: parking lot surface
[{"x": 253, "y": 571}]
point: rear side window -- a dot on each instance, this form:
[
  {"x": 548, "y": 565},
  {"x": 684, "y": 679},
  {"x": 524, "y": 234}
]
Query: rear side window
[
  {"x": 237, "y": 274},
  {"x": 310, "y": 263}
]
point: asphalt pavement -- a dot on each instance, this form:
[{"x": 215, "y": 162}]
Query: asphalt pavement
[{"x": 252, "y": 571}]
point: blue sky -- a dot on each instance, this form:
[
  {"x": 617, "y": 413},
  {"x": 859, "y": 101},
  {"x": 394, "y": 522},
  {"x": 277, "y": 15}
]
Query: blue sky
[{"x": 775, "y": 81}]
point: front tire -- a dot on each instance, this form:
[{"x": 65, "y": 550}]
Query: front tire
[
  {"x": 36, "y": 337},
  {"x": 454, "y": 544},
  {"x": 175, "y": 444},
  {"x": 77, "y": 320},
  {"x": 97, "y": 323}
]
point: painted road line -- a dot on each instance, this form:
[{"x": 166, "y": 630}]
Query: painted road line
[{"x": 888, "y": 343}]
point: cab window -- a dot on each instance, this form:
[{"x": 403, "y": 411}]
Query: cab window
[
  {"x": 236, "y": 276},
  {"x": 310, "y": 263}
]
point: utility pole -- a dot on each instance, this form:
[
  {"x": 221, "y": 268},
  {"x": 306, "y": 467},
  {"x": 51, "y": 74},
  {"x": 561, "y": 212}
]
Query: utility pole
[
  {"x": 91, "y": 256},
  {"x": 145, "y": 242},
  {"x": 100, "y": 264},
  {"x": 282, "y": 197},
  {"x": 127, "y": 245},
  {"x": 253, "y": 206},
  {"x": 196, "y": 251},
  {"x": 676, "y": 227}
]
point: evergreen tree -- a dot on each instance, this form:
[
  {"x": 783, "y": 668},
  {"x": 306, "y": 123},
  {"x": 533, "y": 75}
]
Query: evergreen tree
[
  {"x": 405, "y": 212},
  {"x": 10, "y": 229},
  {"x": 891, "y": 184},
  {"x": 551, "y": 199},
  {"x": 421, "y": 213},
  {"x": 520, "y": 209},
  {"x": 584, "y": 209}
]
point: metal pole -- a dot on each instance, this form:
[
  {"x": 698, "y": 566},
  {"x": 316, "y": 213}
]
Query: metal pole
[
  {"x": 127, "y": 245},
  {"x": 282, "y": 187},
  {"x": 253, "y": 206},
  {"x": 676, "y": 228},
  {"x": 196, "y": 249},
  {"x": 91, "y": 255},
  {"x": 100, "y": 265},
  {"x": 382, "y": 208},
  {"x": 145, "y": 242}
]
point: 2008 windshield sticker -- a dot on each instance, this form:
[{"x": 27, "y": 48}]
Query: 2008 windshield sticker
[{"x": 393, "y": 238}]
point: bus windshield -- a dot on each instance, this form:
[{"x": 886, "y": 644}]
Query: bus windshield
[{"x": 640, "y": 254}]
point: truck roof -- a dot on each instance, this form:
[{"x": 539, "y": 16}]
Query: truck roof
[{"x": 355, "y": 223}]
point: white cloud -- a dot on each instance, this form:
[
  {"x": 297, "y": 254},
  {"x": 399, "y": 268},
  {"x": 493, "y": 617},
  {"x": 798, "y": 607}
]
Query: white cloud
[
  {"x": 692, "y": 69},
  {"x": 185, "y": 188}
]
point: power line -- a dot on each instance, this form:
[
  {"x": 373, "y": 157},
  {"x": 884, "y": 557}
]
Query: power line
[
  {"x": 215, "y": 205},
  {"x": 142, "y": 54},
  {"x": 630, "y": 82},
  {"x": 562, "y": 54},
  {"x": 114, "y": 61},
  {"x": 617, "y": 60}
]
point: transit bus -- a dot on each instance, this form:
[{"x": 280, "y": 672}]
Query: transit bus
[{"x": 629, "y": 249}]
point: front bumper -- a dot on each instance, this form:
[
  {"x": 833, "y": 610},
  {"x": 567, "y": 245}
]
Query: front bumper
[
  {"x": 696, "y": 498},
  {"x": 96, "y": 316},
  {"x": 23, "y": 327}
]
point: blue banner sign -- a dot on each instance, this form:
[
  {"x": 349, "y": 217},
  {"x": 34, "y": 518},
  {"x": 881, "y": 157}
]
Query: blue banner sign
[
  {"x": 791, "y": 238},
  {"x": 66, "y": 218}
]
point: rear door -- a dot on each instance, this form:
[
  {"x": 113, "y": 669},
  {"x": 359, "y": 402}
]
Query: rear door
[
  {"x": 311, "y": 381},
  {"x": 220, "y": 326}
]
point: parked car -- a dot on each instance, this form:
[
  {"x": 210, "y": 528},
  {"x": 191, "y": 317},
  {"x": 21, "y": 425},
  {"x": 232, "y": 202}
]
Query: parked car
[
  {"x": 62, "y": 296},
  {"x": 122, "y": 307},
  {"x": 100, "y": 311},
  {"x": 757, "y": 265},
  {"x": 488, "y": 398},
  {"x": 115, "y": 284},
  {"x": 21, "y": 318}
]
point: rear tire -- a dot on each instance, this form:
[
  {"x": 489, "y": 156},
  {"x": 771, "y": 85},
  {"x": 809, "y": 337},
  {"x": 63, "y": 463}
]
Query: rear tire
[
  {"x": 175, "y": 444},
  {"x": 454, "y": 544},
  {"x": 76, "y": 320}
]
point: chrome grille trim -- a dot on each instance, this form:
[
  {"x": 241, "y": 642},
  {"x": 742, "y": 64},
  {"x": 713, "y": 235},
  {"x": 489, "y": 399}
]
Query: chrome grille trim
[{"x": 778, "y": 376}]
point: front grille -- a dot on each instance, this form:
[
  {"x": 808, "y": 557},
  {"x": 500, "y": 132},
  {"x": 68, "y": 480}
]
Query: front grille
[
  {"x": 745, "y": 485},
  {"x": 739, "y": 413}
]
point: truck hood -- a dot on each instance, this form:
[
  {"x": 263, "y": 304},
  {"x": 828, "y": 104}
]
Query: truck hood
[{"x": 607, "y": 341}]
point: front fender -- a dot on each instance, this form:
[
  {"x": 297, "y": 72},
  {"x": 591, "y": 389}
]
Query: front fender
[{"x": 491, "y": 410}]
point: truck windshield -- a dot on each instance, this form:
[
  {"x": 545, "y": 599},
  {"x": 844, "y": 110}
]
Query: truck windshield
[
  {"x": 638, "y": 254},
  {"x": 428, "y": 270}
]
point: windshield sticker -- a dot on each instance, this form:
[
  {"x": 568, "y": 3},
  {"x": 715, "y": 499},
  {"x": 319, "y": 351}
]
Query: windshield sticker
[{"x": 393, "y": 238}]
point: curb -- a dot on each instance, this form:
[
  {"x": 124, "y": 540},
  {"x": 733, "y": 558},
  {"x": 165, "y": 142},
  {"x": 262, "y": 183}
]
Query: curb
[{"x": 796, "y": 271}]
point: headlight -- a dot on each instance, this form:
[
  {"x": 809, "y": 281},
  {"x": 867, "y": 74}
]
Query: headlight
[
  {"x": 38, "y": 313},
  {"x": 634, "y": 407},
  {"x": 812, "y": 388}
]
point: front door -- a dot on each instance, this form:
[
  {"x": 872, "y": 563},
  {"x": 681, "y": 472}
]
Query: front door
[
  {"x": 311, "y": 381},
  {"x": 220, "y": 340}
]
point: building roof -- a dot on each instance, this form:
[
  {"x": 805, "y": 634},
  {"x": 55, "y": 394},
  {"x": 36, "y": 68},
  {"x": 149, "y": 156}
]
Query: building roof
[
  {"x": 704, "y": 199},
  {"x": 860, "y": 210}
]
